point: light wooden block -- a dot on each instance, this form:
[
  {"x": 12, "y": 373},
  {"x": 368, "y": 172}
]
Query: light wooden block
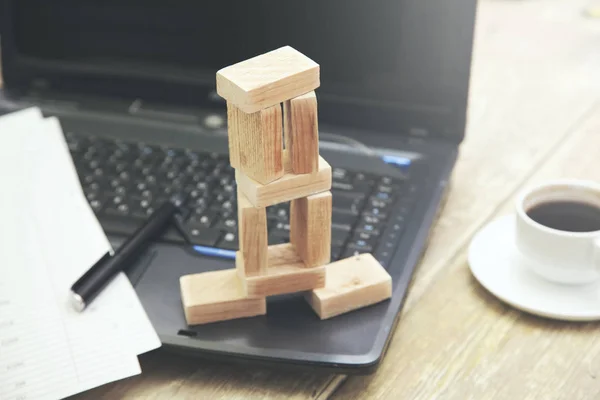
[
  {"x": 257, "y": 138},
  {"x": 253, "y": 236},
  {"x": 233, "y": 132},
  {"x": 350, "y": 284},
  {"x": 217, "y": 296},
  {"x": 268, "y": 79},
  {"x": 289, "y": 187},
  {"x": 286, "y": 273},
  {"x": 310, "y": 228},
  {"x": 301, "y": 132}
]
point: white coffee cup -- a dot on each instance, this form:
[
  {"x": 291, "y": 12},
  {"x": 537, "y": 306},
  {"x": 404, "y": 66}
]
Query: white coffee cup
[{"x": 560, "y": 256}]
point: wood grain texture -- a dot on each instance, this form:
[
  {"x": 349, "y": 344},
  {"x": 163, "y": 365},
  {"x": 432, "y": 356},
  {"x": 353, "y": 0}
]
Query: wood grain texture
[
  {"x": 169, "y": 376},
  {"x": 534, "y": 80},
  {"x": 252, "y": 236},
  {"x": 286, "y": 273},
  {"x": 528, "y": 102},
  {"x": 482, "y": 348},
  {"x": 268, "y": 79},
  {"x": 217, "y": 296},
  {"x": 350, "y": 284},
  {"x": 289, "y": 187},
  {"x": 310, "y": 228},
  {"x": 233, "y": 132},
  {"x": 301, "y": 132},
  {"x": 259, "y": 142}
]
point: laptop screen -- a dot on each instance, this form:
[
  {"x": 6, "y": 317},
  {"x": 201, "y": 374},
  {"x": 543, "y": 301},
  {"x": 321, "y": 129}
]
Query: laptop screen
[{"x": 401, "y": 55}]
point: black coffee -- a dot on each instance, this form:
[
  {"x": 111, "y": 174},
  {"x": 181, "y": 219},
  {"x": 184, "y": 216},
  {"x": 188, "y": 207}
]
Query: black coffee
[{"x": 568, "y": 216}]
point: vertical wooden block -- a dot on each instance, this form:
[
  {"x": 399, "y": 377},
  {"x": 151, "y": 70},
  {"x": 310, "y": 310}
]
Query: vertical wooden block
[
  {"x": 252, "y": 232},
  {"x": 310, "y": 228},
  {"x": 301, "y": 129},
  {"x": 260, "y": 143},
  {"x": 233, "y": 136}
]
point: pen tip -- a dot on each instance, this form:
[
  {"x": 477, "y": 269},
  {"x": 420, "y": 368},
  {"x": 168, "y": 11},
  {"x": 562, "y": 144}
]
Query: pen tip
[{"x": 77, "y": 302}]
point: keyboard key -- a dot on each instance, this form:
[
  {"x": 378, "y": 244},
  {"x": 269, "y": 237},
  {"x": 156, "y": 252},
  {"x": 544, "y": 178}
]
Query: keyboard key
[
  {"x": 361, "y": 246},
  {"x": 202, "y": 235},
  {"x": 96, "y": 205},
  {"x": 281, "y": 229},
  {"x": 206, "y": 219},
  {"x": 229, "y": 241},
  {"x": 365, "y": 239},
  {"x": 361, "y": 177},
  {"x": 117, "y": 210},
  {"x": 368, "y": 228},
  {"x": 349, "y": 204},
  {"x": 340, "y": 175},
  {"x": 375, "y": 212},
  {"x": 383, "y": 196},
  {"x": 229, "y": 225}
]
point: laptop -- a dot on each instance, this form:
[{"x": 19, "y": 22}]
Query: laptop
[{"x": 133, "y": 84}]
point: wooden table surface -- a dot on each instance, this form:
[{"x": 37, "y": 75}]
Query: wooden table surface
[{"x": 534, "y": 114}]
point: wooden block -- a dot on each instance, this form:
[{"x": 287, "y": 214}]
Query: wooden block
[
  {"x": 350, "y": 284},
  {"x": 217, "y": 296},
  {"x": 310, "y": 228},
  {"x": 258, "y": 140},
  {"x": 301, "y": 132},
  {"x": 233, "y": 135},
  {"x": 268, "y": 79},
  {"x": 289, "y": 187},
  {"x": 252, "y": 234},
  {"x": 286, "y": 273}
]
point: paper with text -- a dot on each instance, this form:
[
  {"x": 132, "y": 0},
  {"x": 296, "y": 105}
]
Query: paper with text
[{"x": 47, "y": 350}]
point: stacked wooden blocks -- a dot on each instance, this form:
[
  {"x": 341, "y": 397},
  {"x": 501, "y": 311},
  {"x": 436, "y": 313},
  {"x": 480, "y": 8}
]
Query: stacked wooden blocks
[{"x": 274, "y": 148}]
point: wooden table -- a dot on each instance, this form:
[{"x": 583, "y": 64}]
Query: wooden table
[{"x": 534, "y": 115}]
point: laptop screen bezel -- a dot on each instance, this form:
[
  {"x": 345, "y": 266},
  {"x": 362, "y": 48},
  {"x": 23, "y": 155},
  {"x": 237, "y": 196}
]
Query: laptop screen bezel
[{"x": 23, "y": 73}]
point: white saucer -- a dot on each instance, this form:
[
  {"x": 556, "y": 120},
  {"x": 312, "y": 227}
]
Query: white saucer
[{"x": 497, "y": 264}]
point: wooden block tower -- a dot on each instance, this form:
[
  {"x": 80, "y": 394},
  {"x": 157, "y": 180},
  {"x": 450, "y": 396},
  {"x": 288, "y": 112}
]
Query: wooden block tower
[{"x": 274, "y": 148}]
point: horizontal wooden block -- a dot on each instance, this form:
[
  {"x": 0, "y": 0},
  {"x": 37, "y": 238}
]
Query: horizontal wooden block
[
  {"x": 301, "y": 132},
  {"x": 217, "y": 296},
  {"x": 310, "y": 228},
  {"x": 286, "y": 273},
  {"x": 268, "y": 79},
  {"x": 258, "y": 140},
  {"x": 350, "y": 284},
  {"x": 252, "y": 234},
  {"x": 289, "y": 187}
]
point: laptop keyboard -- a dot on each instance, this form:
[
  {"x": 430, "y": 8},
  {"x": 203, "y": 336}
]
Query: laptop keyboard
[{"x": 125, "y": 181}]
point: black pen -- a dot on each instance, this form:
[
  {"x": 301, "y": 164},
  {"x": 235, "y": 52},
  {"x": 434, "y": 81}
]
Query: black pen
[{"x": 85, "y": 290}]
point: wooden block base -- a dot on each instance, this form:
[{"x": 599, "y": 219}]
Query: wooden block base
[
  {"x": 289, "y": 187},
  {"x": 286, "y": 273},
  {"x": 217, "y": 296},
  {"x": 350, "y": 284}
]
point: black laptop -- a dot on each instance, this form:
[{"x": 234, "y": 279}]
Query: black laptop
[{"x": 133, "y": 84}]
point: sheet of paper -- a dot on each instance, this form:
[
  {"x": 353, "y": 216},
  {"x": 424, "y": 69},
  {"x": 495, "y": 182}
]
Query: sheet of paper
[
  {"x": 119, "y": 300},
  {"x": 47, "y": 350}
]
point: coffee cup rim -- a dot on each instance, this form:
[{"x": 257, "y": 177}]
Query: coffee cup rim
[{"x": 586, "y": 184}]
